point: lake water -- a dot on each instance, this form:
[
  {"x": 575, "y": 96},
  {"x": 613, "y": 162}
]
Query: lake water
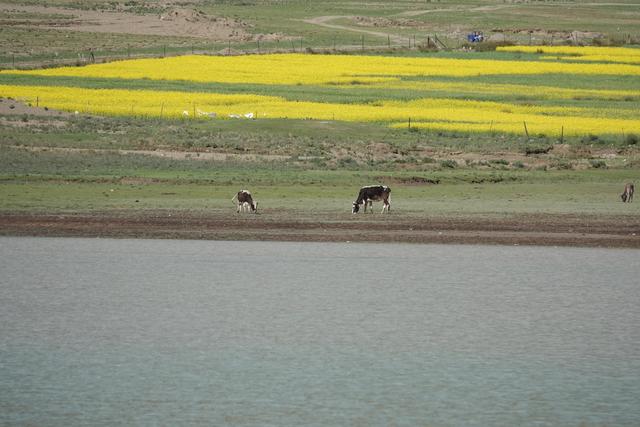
[{"x": 165, "y": 332}]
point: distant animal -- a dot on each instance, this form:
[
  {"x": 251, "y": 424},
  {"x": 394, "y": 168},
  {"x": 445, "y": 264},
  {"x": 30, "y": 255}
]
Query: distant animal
[
  {"x": 369, "y": 194},
  {"x": 244, "y": 202},
  {"x": 627, "y": 194}
]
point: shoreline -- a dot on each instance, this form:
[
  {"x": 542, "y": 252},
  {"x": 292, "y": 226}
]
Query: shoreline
[{"x": 526, "y": 229}]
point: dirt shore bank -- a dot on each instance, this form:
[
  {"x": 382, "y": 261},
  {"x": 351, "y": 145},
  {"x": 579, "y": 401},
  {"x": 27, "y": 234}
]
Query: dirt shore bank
[{"x": 542, "y": 229}]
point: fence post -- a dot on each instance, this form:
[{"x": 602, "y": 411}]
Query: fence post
[
  {"x": 525, "y": 128},
  {"x": 562, "y": 134},
  {"x": 409, "y": 122}
]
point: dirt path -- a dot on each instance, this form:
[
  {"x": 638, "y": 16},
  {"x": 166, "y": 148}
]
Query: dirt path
[
  {"x": 167, "y": 154},
  {"x": 546, "y": 230},
  {"x": 324, "y": 21},
  {"x": 452, "y": 9}
]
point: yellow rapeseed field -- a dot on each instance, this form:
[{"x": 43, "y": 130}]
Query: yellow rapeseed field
[
  {"x": 529, "y": 91},
  {"x": 583, "y": 53},
  {"x": 287, "y": 69},
  {"x": 454, "y": 115},
  {"x": 121, "y": 102},
  {"x": 433, "y": 110}
]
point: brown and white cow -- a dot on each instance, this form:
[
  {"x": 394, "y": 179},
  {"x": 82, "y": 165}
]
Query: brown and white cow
[
  {"x": 627, "y": 194},
  {"x": 369, "y": 194},
  {"x": 244, "y": 202}
]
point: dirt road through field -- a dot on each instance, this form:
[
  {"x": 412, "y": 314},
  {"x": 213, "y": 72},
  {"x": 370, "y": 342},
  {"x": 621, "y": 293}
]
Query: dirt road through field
[{"x": 326, "y": 21}]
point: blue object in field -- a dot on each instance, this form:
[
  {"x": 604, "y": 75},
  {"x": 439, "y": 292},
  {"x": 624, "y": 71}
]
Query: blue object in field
[{"x": 475, "y": 37}]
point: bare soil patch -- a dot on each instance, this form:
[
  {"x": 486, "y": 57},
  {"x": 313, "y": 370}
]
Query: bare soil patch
[
  {"x": 368, "y": 21},
  {"x": 542, "y": 229},
  {"x": 9, "y": 107},
  {"x": 176, "y": 21}
]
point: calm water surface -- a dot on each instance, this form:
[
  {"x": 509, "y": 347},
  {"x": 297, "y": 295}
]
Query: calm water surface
[{"x": 157, "y": 332}]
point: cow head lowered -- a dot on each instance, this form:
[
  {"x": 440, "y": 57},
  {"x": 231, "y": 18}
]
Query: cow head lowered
[
  {"x": 369, "y": 194},
  {"x": 245, "y": 202}
]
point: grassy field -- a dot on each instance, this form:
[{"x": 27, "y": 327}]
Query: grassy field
[
  {"x": 288, "y": 25},
  {"x": 326, "y": 192},
  {"x": 139, "y": 164},
  {"x": 61, "y": 178},
  {"x": 411, "y": 17}
]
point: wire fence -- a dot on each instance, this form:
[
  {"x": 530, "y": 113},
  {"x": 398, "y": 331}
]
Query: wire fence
[{"x": 415, "y": 42}]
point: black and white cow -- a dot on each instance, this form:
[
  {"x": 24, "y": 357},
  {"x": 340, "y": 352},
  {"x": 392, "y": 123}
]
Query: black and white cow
[
  {"x": 370, "y": 194},
  {"x": 627, "y": 194},
  {"x": 244, "y": 202}
]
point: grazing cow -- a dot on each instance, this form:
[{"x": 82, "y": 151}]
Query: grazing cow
[
  {"x": 370, "y": 194},
  {"x": 244, "y": 202},
  {"x": 627, "y": 194}
]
